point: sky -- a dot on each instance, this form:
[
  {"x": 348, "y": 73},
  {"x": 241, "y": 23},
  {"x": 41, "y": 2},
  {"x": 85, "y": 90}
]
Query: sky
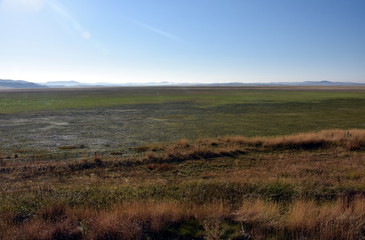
[{"x": 182, "y": 41}]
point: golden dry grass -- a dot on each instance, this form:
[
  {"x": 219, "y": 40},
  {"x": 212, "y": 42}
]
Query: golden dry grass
[
  {"x": 259, "y": 212},
  {"x": 303, "y": 186},
  {"x": 122, "y": 221},
  {"x": 342, "y": 219},
  {"x": 352, "y": 139}
]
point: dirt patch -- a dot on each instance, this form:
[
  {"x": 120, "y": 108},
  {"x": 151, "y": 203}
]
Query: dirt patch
[{"x": 123, "y": 126}]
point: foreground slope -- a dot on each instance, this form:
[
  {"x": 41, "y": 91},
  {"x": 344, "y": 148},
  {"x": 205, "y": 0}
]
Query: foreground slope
[{"x": 308, "y": 185}]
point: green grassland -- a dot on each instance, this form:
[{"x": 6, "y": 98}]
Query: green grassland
[
  {"x": 105, "y": 119},
  {"x": 153, "y": 163},
  {"x": 46, "y": 100}
]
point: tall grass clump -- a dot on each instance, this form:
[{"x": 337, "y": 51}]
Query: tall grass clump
[
  {"x": 230, "y": 146},
  {"x": 303, "y": 219},
  {"x": 338, "y": 220},
  {"x": 139, "y": 220}
]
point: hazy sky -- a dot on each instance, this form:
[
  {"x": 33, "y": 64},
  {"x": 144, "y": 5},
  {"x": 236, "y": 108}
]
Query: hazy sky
[{"x": 182, "y": 40}]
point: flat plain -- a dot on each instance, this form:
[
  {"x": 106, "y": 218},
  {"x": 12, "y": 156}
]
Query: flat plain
[
  {"x": 109, "y": 118},
  {"x": 183, "y": 163}
]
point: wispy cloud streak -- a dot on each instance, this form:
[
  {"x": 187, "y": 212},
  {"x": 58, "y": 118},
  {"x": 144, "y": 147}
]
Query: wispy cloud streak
[
  {"x": 55, "y": 6},
  {"x": 156, "y": 30},
  {"x": 75, "y": 24}
]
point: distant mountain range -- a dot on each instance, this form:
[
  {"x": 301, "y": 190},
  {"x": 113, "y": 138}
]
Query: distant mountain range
[
  {"x": 19, "y": 84},
  {"x": 62, "y": 84},
  {"x": 305, "y": 83},
  {"x": 74, "y": 84}
]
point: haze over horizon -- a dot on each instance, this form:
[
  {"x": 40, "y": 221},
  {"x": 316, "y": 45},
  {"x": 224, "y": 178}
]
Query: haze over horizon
[{"x": 192, "y": 41}]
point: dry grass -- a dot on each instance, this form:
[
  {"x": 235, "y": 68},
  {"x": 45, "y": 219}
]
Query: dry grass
[
  {"x": 341, "y": 219},
  {"x": 161, "y": 166},
  {"x": 353, "y": 139},
  {"x": 123, "y": 221},
  {"x": 259, "y": 212},
  {"x": 304, "y": 186}
]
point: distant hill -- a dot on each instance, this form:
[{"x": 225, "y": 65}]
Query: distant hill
[
  {"x": 305, "y": 83},
  {"x": 63, "y": 84},
  {"x": 6, "y": 83},
  {"x": 325, "y": 83},
  {"x": 75, "y": 84}
]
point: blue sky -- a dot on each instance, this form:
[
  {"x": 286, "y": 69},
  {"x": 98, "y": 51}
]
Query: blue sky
[{"x": 182, "y": 40}]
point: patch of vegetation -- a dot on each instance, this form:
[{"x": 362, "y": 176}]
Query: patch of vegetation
[
  {"x": 137, "y": 180},
  {"x": 111, "y": 119},
  {"x": 267, "y": 187}
]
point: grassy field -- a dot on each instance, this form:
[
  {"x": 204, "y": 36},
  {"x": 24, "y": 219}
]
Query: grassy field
[
  {"x": 167, "y": 163},
  {"x": 110, "y": 119},
  {"x": 13, "y": 101}
]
